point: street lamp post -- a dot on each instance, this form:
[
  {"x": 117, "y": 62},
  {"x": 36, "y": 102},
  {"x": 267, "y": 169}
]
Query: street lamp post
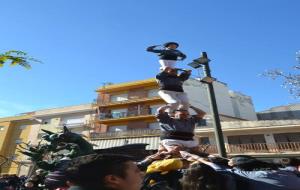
[{"x": 203, "y": 62}]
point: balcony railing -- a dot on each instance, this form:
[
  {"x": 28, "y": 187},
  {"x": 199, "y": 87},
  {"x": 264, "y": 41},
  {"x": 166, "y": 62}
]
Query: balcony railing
[
  {"x": 117, "y": 115},
  {"x": 257, "y": 148},
  {"x": 133, "y": 100},
  {"x": 129, "y": 133}
]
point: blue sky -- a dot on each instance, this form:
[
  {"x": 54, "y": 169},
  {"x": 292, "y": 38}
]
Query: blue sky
[{"x": 85, "y": 43}]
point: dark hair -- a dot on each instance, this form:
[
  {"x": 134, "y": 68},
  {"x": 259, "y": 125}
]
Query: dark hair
[
  {"x": 199, "y": 177},
  {"x": 294, "y": 162},
  {"x": 248, "y": 163},
  {"x": 170, "y": 43},
  {"x": 89, "y": 173}
]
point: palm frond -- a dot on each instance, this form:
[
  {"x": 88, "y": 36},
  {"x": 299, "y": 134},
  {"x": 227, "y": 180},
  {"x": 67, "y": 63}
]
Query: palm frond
[{"x": 15, "y": 57}]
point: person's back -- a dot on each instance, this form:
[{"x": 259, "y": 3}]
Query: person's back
[
  {"x": 269, "y": 179},
  {"x": 261, "y": 175},
  {"x": 171, "y": 81}
]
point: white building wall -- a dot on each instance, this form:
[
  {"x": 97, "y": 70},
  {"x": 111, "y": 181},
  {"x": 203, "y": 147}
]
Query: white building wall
[
  {"x": 198, "y": 96},
  {"x": 242, "y": 106},
  {"x": 229, "y": 103}
]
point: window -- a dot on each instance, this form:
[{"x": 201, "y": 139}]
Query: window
[
  {"x": 117, "y": 128},
  {"x": 246, "y": 139},
  {"x": 152, "y": 93},
  {"x": 119, "y": 98},
  {"x": 154, "y": 125},
  {"x": 204, "y": 143},
  {"x": 46, "y": 121},
  {"x": 1, "y": 128},
  {"x": 201, "y": 123},
  {"x": 72, "y": 121},
  {"x": 119, "y": 113},
  {"x": 287, "y": 137},
  {"x": 18, "y": 141},
  {"x": 204, "y": 140},
  {"x": 153, "y": 109},
  {"x": 242, "y": 143},
  {"x": 287, "y": 141}
]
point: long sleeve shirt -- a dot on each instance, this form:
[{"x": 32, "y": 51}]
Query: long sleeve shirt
[
  {"x": 167, "y": 54},
  {"x": 172, "y": 82}
]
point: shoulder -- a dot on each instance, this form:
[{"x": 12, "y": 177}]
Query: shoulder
[
  {"x": 250, "y": 174},
  {"x": 195, "y": 118},
  {"x": 163, "y": 116},
  {"x": 161, "y": 74}
]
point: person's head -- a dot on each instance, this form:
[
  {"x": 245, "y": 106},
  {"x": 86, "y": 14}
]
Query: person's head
[
  {"x": 171, "y": 45},
  {"x": 55, "y": 179},
  {"x": 248, "y": 163},
  {"x": 294, "y": 162},
  {"x": 40, "y": 172},
  {"x": 107, "y": 172},
  {"x": 239, "y": 160},
  {"x": 29, "y": 184},
  {"x": 170, "y": 71},
  {"x": 181, "y": 113},
  {"x": 285, "y": 161},
  {"x": 198, "y": 177}
]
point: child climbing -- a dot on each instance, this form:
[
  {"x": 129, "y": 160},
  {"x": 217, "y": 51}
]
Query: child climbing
[{"x": 168, "y": 55}]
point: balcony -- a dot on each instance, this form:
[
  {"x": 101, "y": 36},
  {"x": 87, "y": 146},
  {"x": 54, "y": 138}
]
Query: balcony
[
  {"x": 145, "y": 135},
  {"x": 130, "y": 101},
  {"x": 256, "y": 148},
  {"x": 105, "y": 118},
  {"x": 130, "y": 133}
]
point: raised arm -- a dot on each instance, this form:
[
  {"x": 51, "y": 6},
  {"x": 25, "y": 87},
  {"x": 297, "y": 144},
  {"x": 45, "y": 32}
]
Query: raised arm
[
  {"x": 162, "y": 109},
  {"x": 200, "y": 113},
  {"x": 185, "y": 75},
  {"x": 194, "y": 157},
  {"x": 152, "y": 49},
  {"x": 182, "y": 56}
]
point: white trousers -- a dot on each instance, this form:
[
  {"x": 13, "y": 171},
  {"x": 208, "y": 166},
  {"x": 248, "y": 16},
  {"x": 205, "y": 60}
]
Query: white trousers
[
  {"x": 169, "y": 143},
  {"x": 167, "y": 63},
  {"x": 174, "y": 99}
]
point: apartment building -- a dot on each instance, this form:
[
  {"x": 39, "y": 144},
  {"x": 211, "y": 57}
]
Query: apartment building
[
  {"x": 13, "y": 131},
  {"x": 286, "y": 112},
  {"x": 132, "y": 105},
  {"x": 125, "y": 115},
  {"x": 277, "y": 138},
  {"x": 127, "y": 106},
  {"x": 26, "y": 128},
  {"x": 78, "y": 118}
]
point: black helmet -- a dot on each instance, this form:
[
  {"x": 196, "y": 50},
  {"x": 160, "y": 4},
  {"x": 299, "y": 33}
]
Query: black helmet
[{"x": 169, "y": 43}]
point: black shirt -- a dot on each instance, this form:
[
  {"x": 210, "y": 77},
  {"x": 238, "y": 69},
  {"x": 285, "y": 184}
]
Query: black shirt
[
  {"x": 172, "y": 82},
  {"x": 167, "y": 54}
]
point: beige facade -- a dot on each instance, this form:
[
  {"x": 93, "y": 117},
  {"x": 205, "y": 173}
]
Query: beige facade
[
  {"x": 27, "y": 128},
  {"x": 77, "y": 118},
  {"x": 14, "y": 131},
  {"x": 132, "y": 105},
  {"x": 278, "y": 138}
]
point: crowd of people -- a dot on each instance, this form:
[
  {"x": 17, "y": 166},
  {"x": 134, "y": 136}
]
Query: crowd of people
[
  {"x": 187, "y": 172},
  {"x": 11, "y": 182}
]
